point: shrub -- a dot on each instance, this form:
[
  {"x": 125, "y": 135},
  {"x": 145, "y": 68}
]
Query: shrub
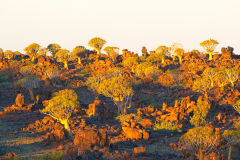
[
  {"x": 167, "y": 127},
  {"x": 200, "y": 112},
  {"x": 125, "y": 117},
  {"x": 29, "y": 83},
  {"x": 4, "y": 80}
]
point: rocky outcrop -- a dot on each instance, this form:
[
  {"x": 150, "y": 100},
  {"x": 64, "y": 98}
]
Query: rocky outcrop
[{"x": 89, "y": 138}]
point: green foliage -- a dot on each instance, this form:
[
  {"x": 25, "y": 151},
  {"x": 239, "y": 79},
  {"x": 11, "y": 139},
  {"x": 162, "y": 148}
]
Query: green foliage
[
  {"x": 200, "y": 141},
  {"x": 200, "y": 112},
  {"x": 53, "y": 48},
  {"x": 52, "y": 73},
  {"x": 62, "y": 104},
  {"x": 52, "y": 156},
  {"x": 201, "y": 85},
  {"x": 27, "y": 69},
  {"x": 148, "y": 99},
  {"x": 167, "y": 127},
  {"x": 210, "y": 74},
  {"x": 232, "y": 75},
  {"x": 85, "y": 71},
  {"x": 130, "y": 62},
  {"x": 237, "y": 106},
  {"x": 232, "y": 136},
  {"x": 122, "y": 118},
  {"x": 209, "y": 45},
  {"x": 97, "y": 43},
  {"x": 116, "y": 88},
  {"x": 4, "y": 80},
  {"x": 62, "y": 55},
  {"x": 147, "y": 70},
  {"x": 29, "y": 81}
]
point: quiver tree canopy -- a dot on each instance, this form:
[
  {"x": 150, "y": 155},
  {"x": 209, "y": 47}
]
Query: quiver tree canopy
[
  {"x": 32, "y": 50},
  {"x": 209, "y": 46},
  {"x": 61, "y": 106},
  {"x": 97, "y": 44}
]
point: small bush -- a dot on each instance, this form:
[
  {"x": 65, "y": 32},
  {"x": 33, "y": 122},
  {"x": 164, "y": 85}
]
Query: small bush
[
  {"x": 4, "y": 80},
  {"x": 167, "y": 127},
  {"x": 122, "y": 118},
  {"x": 200, "y": 112}
]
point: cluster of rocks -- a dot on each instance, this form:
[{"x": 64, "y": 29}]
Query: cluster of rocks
[
  {"x": 19, "y": 105},
  {"x": 100, "y": 110},
  {"x": 134, "y": 130},
  {"x": 179, "y": 113},
  {"x": 44, "y": 125},
  {"x": 55, "y": 132},
  {"x": 90, "y": 138}
]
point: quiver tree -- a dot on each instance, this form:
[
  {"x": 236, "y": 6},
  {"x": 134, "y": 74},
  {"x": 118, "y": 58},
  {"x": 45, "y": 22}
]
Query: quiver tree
[
  {"x": 200, "y": 141},
  {"x": 232, "y": 75},
  {"x": 53, "y": 74},
  {"x": 179, "y": 52},
  {"x": 61, "y": 106},
  {"x": 231, "y": 137},
  {"x": 93, "y": 83},
  {"x": 173, "y": 47},
  {"x": 32, "y": 50},
  {"x": 1, "y": 54},
  {"x": 112, "y": 52},
  {"x": 155, "y": 58},
  {"x": 43, "y": 52},
  {"x": 97, "y": 44},
  {"x": 29, "y": 83},
  {"x": 8, "y": 54},
  {"x": 202, "y": 85},
  {"x": 148, "y": 71},
  {"x": 200, "y": 112},
  {"x": 62, "y": 56},
  {"x": 117, "y": 88},
  {"x": 162, "y": 51},
  {"x": 53, "y": 48},
  {"x": 130, "y": 62},
  {"x": 220, "y": 77},
  {"x": 27, "y": 70},
  {"x": 209, "y": 46},
  {"x": 210, "y": 74},
  {"x": 79, "y": 53}
]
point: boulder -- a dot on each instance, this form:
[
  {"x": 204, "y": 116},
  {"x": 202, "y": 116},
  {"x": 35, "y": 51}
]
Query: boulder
[
  {"x": 9, "y": 155},
  {"x": 57, "y": 134},
  {"x": 146, "y": 123},
  {"x": 132, "y": 133},
  {"x": 88, "y": 138},
  {"x": 140, "y": 149},
  {"x": 20, "y": 100}
]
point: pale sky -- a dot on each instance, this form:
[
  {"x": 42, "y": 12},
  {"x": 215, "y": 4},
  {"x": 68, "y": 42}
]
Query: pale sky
[{"x": 127, "y": 24}]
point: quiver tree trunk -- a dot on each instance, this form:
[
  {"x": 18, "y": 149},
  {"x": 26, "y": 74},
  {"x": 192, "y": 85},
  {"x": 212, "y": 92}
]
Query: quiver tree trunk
[
  {"x": 163, "y": 59},
  {"x": 79, "y": 60},
  {"x": 229, "y": 152},
  {"x": 120, "y": 107},
  {"x": 180, "y": 59},
  {"x": 210, "y": 56},
  {"x": 200, "y": 154},
  {"x": 30, "y": 90},
  {"x": 33, "y": 58},
  {"x": 64, "y": 122},
  {"x": 66, "y": 65},
  {"x": 98, "y": 51},
  {"x": 127, "y": 103}
]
